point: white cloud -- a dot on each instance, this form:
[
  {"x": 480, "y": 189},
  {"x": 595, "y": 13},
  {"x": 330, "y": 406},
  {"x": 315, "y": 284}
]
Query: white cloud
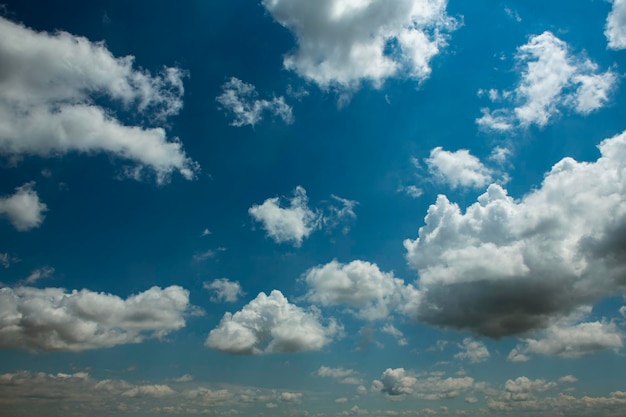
[
  {"x": 458, "y": 169},
  {"x": 552, "y": 80},
  {"x": 39, "y": 273},
  {"x": 341, "y": 375},
  {"x": 506, "y": 266},
  {"x": 615, "y": 29},
  {"x": 523, "y": 388},
  {"x": 412, "y": 191},
  {"x": 224, "y": 290},
  {"x": 341, "y": 43},
  {"x": 337, "y": 215},
  {"x": 203, "y": 256},
  {"x": 271, "y": 324},
  {"x": 48, "y": 101},
  {"x": 205, "y": 232},
  {"x": 52, "y": 319},
  {"x": 23, "y": 209},
  {"x": 362, "y": 286},
  {"x": 473, "y": 350},
  {"x": 287, "y": 225},
  {"x": 240, "y": 99},
  {"x": 399, "y": 382},
  {"x": 397, "y": 334}
]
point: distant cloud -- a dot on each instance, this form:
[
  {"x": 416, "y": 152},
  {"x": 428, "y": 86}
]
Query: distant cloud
[
  {"x": 412, "y": 191},
  {"x": 38, "y": 274},
  {"x": 397, "y": 334},
  {"x": 224, "y": 290},
  {"x": 206, "y": 232},
  {"x": 6, "y": 260},
  {"x": 240, "y": 100},
  {"x": 615, "y": 29},
  {"x": 203, "y": 256},
  {"x": 399, "y": 382},
  {"x": 52, "y": 319},
  {"x": 473, "y": 351},
  {"x": 23, "y": 209},
  {"x": 47, "y": 103},
  {"x": 552, "y": 79},
  {"x": 341, "y": 375},
  {"x": 458, "y": 169},
  {"x": 342, "y": 43},
  {"x": 270, "y": 324}
]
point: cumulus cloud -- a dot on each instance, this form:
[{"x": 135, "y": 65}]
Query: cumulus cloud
[
  {"x": 458, "y": 169},
  {"x": 23, "y": 209},
  {"x": 270, "y": 324},
  {"x": 52, "y": 319},
  {"x": 51, "y": 93},
  {"x": 473, "y": 351},
  {"x": 615, "y": 29},
  {"x": 341, "y": 43},
  {"x": 341, "y": 375},
  {"x": 399, "y": 382},
  {"x": 505, "y": 267},
  {"x": 224, "y": 290},
  {"x": 241, "y": 101},
  {"x": 361, "y": 286},
  {"x": 552, "y": 79}
]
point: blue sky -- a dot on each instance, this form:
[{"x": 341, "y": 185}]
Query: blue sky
[{"x": 294, "y": 208}]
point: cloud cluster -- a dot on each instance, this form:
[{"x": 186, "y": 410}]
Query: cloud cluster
[
  {"x": 52, "y": 319},
  {"x": 53, "y": 94},
  {"x": 458, "y": 169},
  {"x": 615, "y": 29},
  {"x": 224, "y": 290},
  {"x": 271, "y": 324},
  {"x": 399, "y": 382},
  {"x": 341, "y": 375},
  {"x": 552, "y": 80},
  {"x": 23, "y": 209},
  {"x": 505, "y": 267},
  {"x": 341, "y": 43},
  {"x": 241, "y": 100},
  {"x": 473, "y": 351}
]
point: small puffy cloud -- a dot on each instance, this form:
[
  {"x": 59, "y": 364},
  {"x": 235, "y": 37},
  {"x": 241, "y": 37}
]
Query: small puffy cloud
[
  {"x": 270, "y": 324},
  {"x": 458, "y": 169},
  {"x": 341, "y": 375},
  {"x": 412, "y": 191},
  {"x": 399, "y": 382},
  {"x": 615, "y": 29},
  {"x": 361, "y": 286},
  {"x": 48, "y": 102},
  {"x": 568, "y": 379},
  {"x": 241, "y": 101},
  {"x": 552, "y": 80},
  {"x": 23, "y": 209},
  {"x": 473, "y": 350},
  {"x": 523, "y": 388},
  {"x": 505, "y": 267},
  {"x": 52, "y": 319},
  {"x": 342, "y": 43},
  {"x": 224, "y": 290}
]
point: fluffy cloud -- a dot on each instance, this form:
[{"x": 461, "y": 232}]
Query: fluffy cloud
[
  {"x": 615, "y": 29},
  {"x": 552, "y": 79},
  {"x": 52, "y": 319},
  {"x": 23, "y": 209},
  {"x": 271, "y": 324},
  {"x": 50, "y": 102},
  {"x": 224, "y": 290},
  {"x": 241, "y": 100},
  {"x": 473, "y": 350},
  {"x": 506, "y": 266},
  {"x": 458, "y": 169},
  {"x": 360, "y": 285},
  {"x": 343, "y": 42},
  {"x": 343, "y": 376},
  {"x": 399, "y": 382},
  {"x": 522, "y": 388}
]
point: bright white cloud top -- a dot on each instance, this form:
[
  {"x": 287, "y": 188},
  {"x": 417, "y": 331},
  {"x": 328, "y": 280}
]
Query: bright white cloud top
[
  {"x": 458, "y": 169},
  {"x": 23, "y": 209},
  {"x": 615, "y": 29}
]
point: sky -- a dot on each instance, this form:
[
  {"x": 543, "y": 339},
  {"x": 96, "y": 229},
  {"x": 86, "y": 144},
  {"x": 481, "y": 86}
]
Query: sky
[{"x": 298, "y": 208}]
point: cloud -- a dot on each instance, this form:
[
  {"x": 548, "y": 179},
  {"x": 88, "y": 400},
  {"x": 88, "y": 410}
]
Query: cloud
[
  {"x": 552, "y": 80},
  {"x": 362, "y": 286},
  {"x": 52, "y": 319},
  {"x": 23, "y": 209},
  {"x": 271, "y": 324},
  {"x": 412, "y": 191},
  {"x": 473, "y": 350},
  {"x": 52, "y": 99},
  {"x": 287, "y": 225},
  {"x": 505, "y": 267},
  {"x": 341, "y": 43},
  {"x": 341, "y": 375},
  {"x": 203, "y": 256},
  {"x": 615, "y": 29},
  {"x": 39, "y": 273},
  {"x": 523, "y": 389},
  {"x": 399, "y": 382},
  {"x": 240, "y": 99},
  {"x": 337, "y": 215},
  {"x": 224, "y": 290},
  {"x": 458, "y": 169},
  {"x": 397, "y": 334}
]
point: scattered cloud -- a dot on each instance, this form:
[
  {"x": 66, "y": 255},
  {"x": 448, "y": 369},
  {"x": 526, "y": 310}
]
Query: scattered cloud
[
  {"x": 240, "y": 100},
  {"x": 206, "y": 232},
  {"x": 473, "y": 351},
  {"x": 6, "y": 259},
  {"x": 38, "y": 274},
  {"x": 270, "y": 324},
  {"x": 203, "y": 256},
  {"x": 397, "y": 334},
  {"x": 224, "y": 290},
  {"x": 458, "y": 169},
  {"x": 552, "y": 79},
  {"x": 505, "y": 267},
  {"x": 52, "y": 319},
  {"x": 399, "y": 382},
  {"x": 412, "y": 191},
  {"x": 23, "y": 209},
  {"x": 615, "y": 29},
  {"x": 342, "y": 43},
  {"x": 341, "y": 375},
  {"x": 49, "y": 103}
]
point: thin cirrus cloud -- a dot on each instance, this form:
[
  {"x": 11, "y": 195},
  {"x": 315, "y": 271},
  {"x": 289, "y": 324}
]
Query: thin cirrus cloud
[
  {"x": 52, "y": 319},
  {"x": 24, "y": 209},
  {"x": 341, "y": 43},
  {"x": 615, "y": 29},
  {"x": 48, "y": 105},
  {"x": 552, "y": 80}
]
